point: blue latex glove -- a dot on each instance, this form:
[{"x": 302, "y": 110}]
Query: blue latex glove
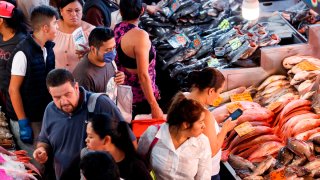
[{"x": 25, "y": 131}]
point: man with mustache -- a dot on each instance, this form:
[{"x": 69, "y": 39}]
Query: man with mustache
[{"x": 63, "y": 130}]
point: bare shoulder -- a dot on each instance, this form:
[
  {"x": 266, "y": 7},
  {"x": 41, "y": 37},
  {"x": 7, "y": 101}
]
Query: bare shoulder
[{"x": 140, "y": 33}]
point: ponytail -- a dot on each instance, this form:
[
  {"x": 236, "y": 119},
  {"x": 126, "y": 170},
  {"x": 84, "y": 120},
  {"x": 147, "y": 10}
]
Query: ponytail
[{"x": 124, "y": 142}]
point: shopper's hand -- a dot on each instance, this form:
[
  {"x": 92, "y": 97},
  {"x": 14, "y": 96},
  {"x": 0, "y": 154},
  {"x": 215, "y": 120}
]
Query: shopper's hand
[
  {"x": 40, "y": 155},
  {"x": 25, "y": 131},
  {"x": 119, "y": 77},
  {"x": 156, "y": 112},
  {"x": 82, "y": 52},
  {"x": 229, "y": 125}
]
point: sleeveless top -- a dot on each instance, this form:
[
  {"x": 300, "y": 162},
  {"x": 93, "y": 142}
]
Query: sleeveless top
[
  {"x": 216, "y": 158},
  {"x": 131, "y": 78}
]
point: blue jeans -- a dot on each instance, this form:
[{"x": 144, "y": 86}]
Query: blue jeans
[{"x": 215, "y": 177}]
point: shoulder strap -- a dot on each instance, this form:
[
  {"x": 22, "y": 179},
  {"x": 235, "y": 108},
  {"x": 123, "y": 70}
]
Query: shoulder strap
[
  {"x": 92, "y": 100},
  {"x": 154, "y": 142}
]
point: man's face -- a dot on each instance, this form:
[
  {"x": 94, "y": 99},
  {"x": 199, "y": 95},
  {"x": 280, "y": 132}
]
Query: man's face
[
  {"x": 51, "y": 29},
  {"x": 106, "y": 47},
  {"x": 65, "y": 96}
]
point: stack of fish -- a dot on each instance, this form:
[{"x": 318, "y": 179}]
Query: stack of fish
[
  {"x": 185, "y": 33},
  {"x": 297, "y": 160},
  {"x": 300, "y": 16},
  {"x": 296, "y": 120},
  {"x": 302, "y": 71},
  {"x": 275, "y": 88},
  {"x": 16, "y": 165},
  {"x": 259, "y": 143}
]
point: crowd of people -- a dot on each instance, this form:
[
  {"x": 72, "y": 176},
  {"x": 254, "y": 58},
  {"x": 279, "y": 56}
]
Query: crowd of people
[{"x": 53, "y": 91}]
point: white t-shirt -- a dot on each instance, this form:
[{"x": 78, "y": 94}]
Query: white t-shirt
[{"x": 19, "y": 63}]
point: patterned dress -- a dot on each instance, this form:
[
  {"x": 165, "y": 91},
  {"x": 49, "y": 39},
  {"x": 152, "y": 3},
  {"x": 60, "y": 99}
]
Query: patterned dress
[{"x": 131, "y": 78}]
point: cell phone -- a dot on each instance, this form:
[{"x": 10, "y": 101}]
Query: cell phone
[{"x": 235, "y": 115}]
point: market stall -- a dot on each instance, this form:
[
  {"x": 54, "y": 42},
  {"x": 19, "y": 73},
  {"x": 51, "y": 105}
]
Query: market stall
[
  {"x": 274, "y": 118},
  {"x": 280, "y": 134}
]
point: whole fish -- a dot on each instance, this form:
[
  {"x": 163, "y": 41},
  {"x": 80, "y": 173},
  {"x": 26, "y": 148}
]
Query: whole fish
[
  {"x": 225, "y": 38},
  {"x": 312, "y": 165},
  {"x": 305, "y": 135},
  {"x": 235, "y": 55},
  {"x": 300, "y": 148},
  {"x": 291, "y": 61},
  {"x": 297, "y": 170},
  {"x": 292, "y": 105},
  {"x": 238, "y": 162},
  {"x": 298, "y": 161},
  {"x": 267, "y": 148},
  {"x": 182, "y": 55},
  {"x": 258, "y": 140},
  {"x": 258, "y": 130},
  {"x": 270, "y": 80},
  {"x": 285, "y": 156},
  {"x": 305, "y": 125},
  {"x": 264, "y": 166}
]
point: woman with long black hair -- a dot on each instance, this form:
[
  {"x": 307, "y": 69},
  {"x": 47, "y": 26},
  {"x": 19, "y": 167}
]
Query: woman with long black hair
[{"x": 105, "y": 133}]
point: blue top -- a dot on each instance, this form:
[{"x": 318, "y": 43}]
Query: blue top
[{"x": 66, "y": 134}]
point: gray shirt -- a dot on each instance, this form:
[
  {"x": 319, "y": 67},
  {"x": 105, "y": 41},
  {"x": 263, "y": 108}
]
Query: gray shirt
[{"x": 91, "y": 77}]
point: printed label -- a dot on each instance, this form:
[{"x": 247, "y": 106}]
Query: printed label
[
  {"x": 195, "y": 41},
  {"x": 178, "y": 40},
  {"x": 213, "y": 62},
  {"x": 224, "y": 25},
  {"x": 231, "y": 107},
  {"x": 278, "y": 175},
  {"x": 244, "y": 128},
  {"x": 235, "y": 43},
  {"x": 246, "y": 96},
  {"x": 307, "y": 66},
  {"x": 217, "y": 101}
]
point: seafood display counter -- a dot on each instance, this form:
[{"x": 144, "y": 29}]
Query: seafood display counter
[{"x": 273, "y": 59}]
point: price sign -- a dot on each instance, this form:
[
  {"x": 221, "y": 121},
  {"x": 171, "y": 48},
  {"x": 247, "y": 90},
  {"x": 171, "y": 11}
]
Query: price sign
[
  {"x": 217, "y": 101},
  {"x": 246, "y": 96},
  {"x": 178, "y": 40},
  {"x": 196, "y": 41},
  {"x": 244, "y": 128},
  {"x": 274, "y": 106},
  {"x": 213, "y": 62},
  {"x": 231, "y": 107},
  {"x": 307, "y": 66},
  {"x": 175, "y": 5},
  {"x": 278, "y": 175},
  {"x": 224, "y": 24},
  {"x": 235, "y": 43}
]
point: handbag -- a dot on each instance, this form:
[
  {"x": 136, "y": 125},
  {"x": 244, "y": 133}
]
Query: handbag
[{"x": 122, "y": 96}]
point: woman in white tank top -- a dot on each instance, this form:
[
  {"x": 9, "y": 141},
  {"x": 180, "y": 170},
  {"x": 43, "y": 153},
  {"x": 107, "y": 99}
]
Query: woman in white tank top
[{"x": 206, "y": 85}]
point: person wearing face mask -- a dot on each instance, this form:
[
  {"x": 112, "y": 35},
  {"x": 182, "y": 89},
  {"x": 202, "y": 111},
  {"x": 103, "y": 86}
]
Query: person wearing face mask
[{"x": 96, "y": 69}]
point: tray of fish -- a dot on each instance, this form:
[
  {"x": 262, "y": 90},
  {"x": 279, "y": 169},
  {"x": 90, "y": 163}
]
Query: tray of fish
[
  {"x": 186, "y": 33},
  {"x": 300, "y": 16}
]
